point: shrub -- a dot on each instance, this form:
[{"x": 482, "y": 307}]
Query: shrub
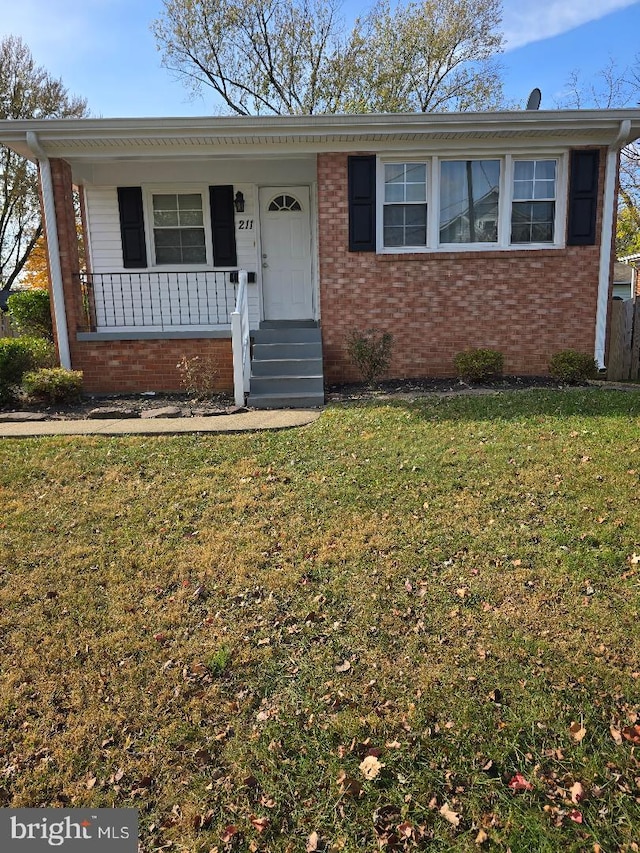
[
  {"x": 572, "y": 366},
  {"x": 30, "y": 313},
  {"x": 17, "y": 357},
  {"x": 478, "y": 365},
  {"x": 198, "y": 376},
  {"x": 371, "y": 352},
  {"x": 53, "y": 384}
]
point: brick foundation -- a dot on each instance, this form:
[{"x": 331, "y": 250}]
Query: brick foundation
[
  {"x": 527, "y": 304},
  {"x": 112, "y": 367}
]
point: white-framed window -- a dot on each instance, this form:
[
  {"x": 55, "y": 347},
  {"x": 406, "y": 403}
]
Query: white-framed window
[
  {"x": 404, "y": 206},
  {"x": 533, "y": 208},
  {"x": 178, "y": 228},
  {"x": 471, "y": 202}
]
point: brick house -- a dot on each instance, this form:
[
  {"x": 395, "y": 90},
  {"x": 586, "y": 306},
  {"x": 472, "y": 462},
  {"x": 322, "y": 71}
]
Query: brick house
[{"x": 451, "y": 231}]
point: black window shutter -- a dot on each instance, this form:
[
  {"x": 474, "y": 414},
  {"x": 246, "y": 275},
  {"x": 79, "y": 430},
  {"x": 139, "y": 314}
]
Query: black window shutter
[
  {"x": 583, "y": 197},
  {"x": 362, "y": 203},
  {"x": 134, "y": 248},
  {"x": 223, "y": 226}
]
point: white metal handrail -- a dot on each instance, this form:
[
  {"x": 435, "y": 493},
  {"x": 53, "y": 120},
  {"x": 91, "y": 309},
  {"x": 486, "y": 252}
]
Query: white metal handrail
[{"x": 241, "y": 341}]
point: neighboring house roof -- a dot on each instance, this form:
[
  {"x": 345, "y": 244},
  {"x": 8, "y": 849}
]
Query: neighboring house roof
[
  {"x": 105, "y": 138},
  {"x": 622, "y": 273}
]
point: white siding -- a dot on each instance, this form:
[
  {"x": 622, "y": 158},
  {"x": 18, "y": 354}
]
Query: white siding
[{"x": 135, "y": 298}]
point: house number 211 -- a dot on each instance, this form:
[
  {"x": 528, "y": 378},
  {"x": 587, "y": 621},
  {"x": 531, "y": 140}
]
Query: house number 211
[{"x": 245, "y": 224}]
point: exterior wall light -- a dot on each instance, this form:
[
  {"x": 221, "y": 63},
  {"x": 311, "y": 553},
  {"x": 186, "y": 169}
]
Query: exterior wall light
[{"x": 238, "y": 202}]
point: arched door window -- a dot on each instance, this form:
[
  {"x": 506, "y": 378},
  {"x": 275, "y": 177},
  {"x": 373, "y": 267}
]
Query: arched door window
[{"x": 284, "y": 203}]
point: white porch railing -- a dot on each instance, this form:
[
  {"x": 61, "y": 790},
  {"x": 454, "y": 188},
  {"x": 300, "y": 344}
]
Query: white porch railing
[{"x": 241, "y": 341}]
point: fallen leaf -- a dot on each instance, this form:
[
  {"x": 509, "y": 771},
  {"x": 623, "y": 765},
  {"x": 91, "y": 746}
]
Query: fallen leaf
[
  {"x": 616, "y": 734},
  {"x": 631, "y": 733},
  {"x": 313, "y": 843},
  {"x": 481, "y": 837},
  {"x": 229, "y": 833},
  {"x": 343, "y": 667},
  {"x": 405, "y": 830},
  {"x": 259, "y": 823},
  {"x": 575, "y": 816},
  {"x": 348, "y": 786},
  {"x": 519, "y": 783},
  {"x": 91, "y": 781},
  {"x": 448, "y": 814},
  {"x": 577, "y": 731},
  {"x": 577, "y": 793},
  {"x": 370, "y": 767}
]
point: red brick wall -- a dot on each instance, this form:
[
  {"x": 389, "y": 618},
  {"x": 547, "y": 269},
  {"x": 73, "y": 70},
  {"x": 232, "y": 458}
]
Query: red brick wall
[
  {"x": 527, "y": 304},
  {"x": 149, "y": 365}
]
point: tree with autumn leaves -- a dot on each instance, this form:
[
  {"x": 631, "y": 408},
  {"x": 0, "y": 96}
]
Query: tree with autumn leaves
[{"x": 26, "y": 91}]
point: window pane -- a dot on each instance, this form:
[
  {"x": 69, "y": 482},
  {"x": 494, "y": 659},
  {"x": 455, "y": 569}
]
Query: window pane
[
  {"x": 194, "y": 255},
  {"x": 416, "y": 173},
  {"x": 523, "y": 170},
  {"x": 415, "y": 236},
  {"x": 165, "y": 202},
  {"x": 167, "y": 237},
  {"x": 168, "y": 256},
  {"x": 545, "y": 170},
  {"x": 469, "y": 195},
  {"x": 190, "y": 201},
  {"x": 394, "y": 192},
  {"x": 544, "y": 189},
  {"x": 394, "y": 173},
  {"x": 523, "y": 189},
  {"x": 416, "y": 192},
  {"x": 165, "y": 217},
  {"x": 405, "y": 225},
  {"x": 405, "y": 182},
  {"x": 533, "y": 222},
  {"x": 192, "y": 237}
]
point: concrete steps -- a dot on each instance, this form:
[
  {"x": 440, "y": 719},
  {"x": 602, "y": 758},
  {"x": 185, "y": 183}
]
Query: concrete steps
[{"x": 286, "y": 368}]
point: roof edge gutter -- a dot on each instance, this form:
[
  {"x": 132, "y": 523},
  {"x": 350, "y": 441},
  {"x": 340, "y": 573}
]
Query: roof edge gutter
[{"x": 53, "y": 248}]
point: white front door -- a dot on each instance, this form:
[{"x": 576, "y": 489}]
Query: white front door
[{"x": 285, "y": 231}]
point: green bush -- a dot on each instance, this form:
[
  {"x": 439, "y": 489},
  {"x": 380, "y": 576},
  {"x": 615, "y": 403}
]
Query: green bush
[
  {"x": 478, "y": 365},
  {"x": 370, "y": 351},
  {"x": 53, "y": 384},
  {"x": 572, "y": 366},
  {"x": 30, "y": 313},
  {"x": 17, "y": 357}
]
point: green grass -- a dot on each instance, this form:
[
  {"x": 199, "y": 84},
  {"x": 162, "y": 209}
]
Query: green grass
[{"x": 216, "y": 629}]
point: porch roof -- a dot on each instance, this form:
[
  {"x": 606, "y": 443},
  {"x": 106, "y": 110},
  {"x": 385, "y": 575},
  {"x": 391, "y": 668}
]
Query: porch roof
[{"x": 92, "y": 139}]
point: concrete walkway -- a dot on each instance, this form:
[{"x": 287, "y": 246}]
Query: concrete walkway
[{"x": 244, "y": 422}]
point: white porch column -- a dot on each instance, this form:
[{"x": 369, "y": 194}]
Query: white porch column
[{"x": 53, "y": 249}]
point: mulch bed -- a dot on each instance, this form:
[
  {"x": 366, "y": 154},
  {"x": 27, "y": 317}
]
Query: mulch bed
[{"x": 134, "y": 405}]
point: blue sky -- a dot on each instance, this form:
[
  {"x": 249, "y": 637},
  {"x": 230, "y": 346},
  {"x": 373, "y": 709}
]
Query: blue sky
[{"x": 104, "y": 50}]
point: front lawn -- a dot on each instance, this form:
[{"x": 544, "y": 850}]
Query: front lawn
[{"x": 407, "y": 626}]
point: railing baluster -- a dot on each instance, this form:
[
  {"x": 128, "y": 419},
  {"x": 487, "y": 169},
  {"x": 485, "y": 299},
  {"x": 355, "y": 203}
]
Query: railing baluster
[{"x": 162, "y": 300}]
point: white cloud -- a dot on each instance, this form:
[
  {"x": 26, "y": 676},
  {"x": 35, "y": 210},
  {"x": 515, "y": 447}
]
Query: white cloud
[{"x": 528, "y": 21}]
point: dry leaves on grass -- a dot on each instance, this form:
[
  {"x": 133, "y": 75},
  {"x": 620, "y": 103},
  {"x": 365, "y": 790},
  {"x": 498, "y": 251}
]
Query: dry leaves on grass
[
  {"x": 449, "y": 815},
  {"x": 519, "y": 783},
  {"x": 370, "y": 767},
  {"x": 577, "y": 732}
]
